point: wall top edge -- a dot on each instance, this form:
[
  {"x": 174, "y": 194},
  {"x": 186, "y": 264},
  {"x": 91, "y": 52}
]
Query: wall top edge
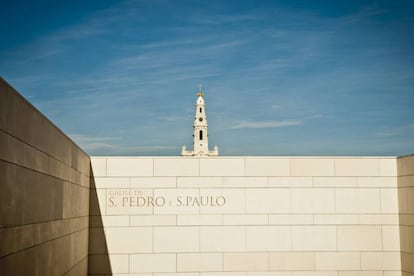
[
  {"x": 35, "y": 109},
  {"x": 404, "y": 156},
  {"x": 247, "y": 157}
]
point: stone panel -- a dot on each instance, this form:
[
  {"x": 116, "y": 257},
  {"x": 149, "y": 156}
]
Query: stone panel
[
  {"x": 222, "y": 167},
  {"x": 291, "y": 219},
  {"x": 199, "y": 219},
  {"x": 153, "y": 220},
  {"x": 99, "y": 166},
  {"x": 380, "y": 261},
  {"x": 311, "y": 167},
  {"x": 359, "y": 200},
  {"x": 268, "y": 238},
  {"x": 377, "y": 182},
  {"x": 222, "y": 238},
  {"x": 357, "y": 167},
  {"x": 187, "y": 262},
  {"x": 270, "y": 200},
  {"x": 245, "y": 219},
  {"x": 314, "y": 238},
  {"x": 389, "y": 200},
  {"x": 139, "y": 263},
  {"x": 333, "y": 182},
  {"x": 337, "y": 261},
  {"x": 267, "y": 167},
  {"x": 246, "y": 261},
  {"x": 176, "y": 167},
  {"x": 222, "y": 201},
  {"x": 245, "y": 182},
  {"x": 388, "y": 167},
  {"x": 112, "y": 182},
  {"x": 199, "y": 182},
  {"x": 291, "y": 181},
  {"x": 359, "y": 238},
  {"x": 314, "y": 200},
  {"x": 390, "y": 238},
  {"x": 335, "y": 219},
  {"x": 176, "y": 239},
  {"x": 123, "y": 240},
  {"x": 292, "y": 261},
  {"x": 124, "y": 166}
]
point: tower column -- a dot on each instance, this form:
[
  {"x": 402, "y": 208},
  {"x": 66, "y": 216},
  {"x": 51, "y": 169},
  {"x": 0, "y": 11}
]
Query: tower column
[{"x": 200, "y": 131}]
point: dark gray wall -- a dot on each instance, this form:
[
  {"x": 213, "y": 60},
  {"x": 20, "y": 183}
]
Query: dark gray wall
[
  {"x": 405, "y": 168},
  {"x": 44, "y": 193}
]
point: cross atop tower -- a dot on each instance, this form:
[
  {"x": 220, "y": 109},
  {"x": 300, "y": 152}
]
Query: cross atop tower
[
  {"x": 200, "y": 92},
  {"x": 200, "y": 136}
]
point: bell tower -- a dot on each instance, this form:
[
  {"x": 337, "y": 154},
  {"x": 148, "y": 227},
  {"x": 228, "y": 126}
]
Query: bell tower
[{"x": 200, "y": 132}]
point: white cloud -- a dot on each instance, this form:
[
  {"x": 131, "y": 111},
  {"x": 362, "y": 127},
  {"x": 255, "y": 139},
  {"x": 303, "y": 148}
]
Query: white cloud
[
  {"x": 397, "y": 131},
  {"x": 267, "y": 124},
  {"x": 93, "y": 143}
]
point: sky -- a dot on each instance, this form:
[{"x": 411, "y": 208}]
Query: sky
[{"x": 279, "y": 77}]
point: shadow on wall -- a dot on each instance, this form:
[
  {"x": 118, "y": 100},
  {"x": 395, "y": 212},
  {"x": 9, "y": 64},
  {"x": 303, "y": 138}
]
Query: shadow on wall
[
  {"x": 405, "y": 165},
  {"x": 99, "y": 262}
]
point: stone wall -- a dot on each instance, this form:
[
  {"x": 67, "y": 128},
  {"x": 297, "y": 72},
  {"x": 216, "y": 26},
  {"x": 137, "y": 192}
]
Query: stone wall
[
  {"x": 44, "y": 193},
  {"x": 289, "y": 216},
  {"x": 406, "y": 205}
]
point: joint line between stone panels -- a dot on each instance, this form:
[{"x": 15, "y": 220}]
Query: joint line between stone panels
[
  {"x": 42, "y": 173},
  {"x": 38, "y": 244},
  {"x": 51, "y": 156},
  {"x": 222, "y": 261},
  {"x": 336, "y": 238},
  {"x": 153, "y": 238},
  {"x": 106, "y": 201},
  {"x": 46, "y": 221},
  {"x": 380, "y": 199},
  {"x": 245, "y": 238},
  {"x": 153, "y": 166},
  {"x": 72, "y": 267},
  {"x": 244, "y": 166}
]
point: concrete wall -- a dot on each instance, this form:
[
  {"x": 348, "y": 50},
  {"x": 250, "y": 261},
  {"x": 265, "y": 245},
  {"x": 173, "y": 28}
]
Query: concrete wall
[
  {"x": 406, "y": 205},
  {"x": 233, "y": 216},
  {"x": 44, "y": 193}
]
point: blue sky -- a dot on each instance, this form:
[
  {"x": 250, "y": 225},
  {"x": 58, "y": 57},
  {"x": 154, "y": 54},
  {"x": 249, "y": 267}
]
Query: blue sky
[{"x": 279, "y": 77}]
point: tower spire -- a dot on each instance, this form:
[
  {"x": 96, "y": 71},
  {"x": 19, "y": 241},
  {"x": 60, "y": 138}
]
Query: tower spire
[{"x": 200, "y": 92}]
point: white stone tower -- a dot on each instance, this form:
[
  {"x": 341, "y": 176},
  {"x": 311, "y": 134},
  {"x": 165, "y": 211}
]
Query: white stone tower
[{"x": 200, "y": 135}]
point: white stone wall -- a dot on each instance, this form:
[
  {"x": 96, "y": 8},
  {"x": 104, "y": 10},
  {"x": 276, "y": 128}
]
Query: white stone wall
[{"x": 288, "y": 216}]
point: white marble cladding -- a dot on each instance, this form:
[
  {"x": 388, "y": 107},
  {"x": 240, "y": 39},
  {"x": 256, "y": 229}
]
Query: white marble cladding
[{"x": 288, "y": 216}]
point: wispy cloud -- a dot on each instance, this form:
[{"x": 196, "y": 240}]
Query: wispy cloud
[
  {"x": 396, "y": 131},
  {"x": 94, "y": 143},
  {"x": 267, "y": 124}
]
